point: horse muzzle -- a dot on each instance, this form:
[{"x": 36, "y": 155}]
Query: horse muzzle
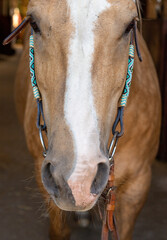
[{"x": 79, "y": 190}]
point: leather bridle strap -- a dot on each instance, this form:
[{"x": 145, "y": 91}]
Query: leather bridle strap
[
  {"x": 109, "y": 222},
  {"x": 16, "y": 31}
]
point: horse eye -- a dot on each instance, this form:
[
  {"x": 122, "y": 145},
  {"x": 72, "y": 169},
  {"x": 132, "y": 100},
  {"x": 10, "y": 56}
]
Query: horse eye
[
  {"x": 35, "y": 27},
  {"x": 130, "y": 26}
]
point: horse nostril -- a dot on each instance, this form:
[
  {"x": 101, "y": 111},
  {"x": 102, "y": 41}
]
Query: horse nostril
[
  {"x": 100, "y": 179},
  {"x": 48, "y": 180}
]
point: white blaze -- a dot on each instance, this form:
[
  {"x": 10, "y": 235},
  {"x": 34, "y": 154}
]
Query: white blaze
[
  {"x": 79, "y": 109},
  {"x": 80, "y": 113}
]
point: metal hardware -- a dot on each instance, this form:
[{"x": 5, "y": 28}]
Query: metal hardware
[
  {"x": 41, "y": 127},
  {"x": 111, "y": 189},
  {"x": 112, "y": 148},
  {"x": 42, "y": 140}
]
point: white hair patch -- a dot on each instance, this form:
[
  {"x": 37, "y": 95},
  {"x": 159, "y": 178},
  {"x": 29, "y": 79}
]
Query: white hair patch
[{"x": 79, "y": 109}]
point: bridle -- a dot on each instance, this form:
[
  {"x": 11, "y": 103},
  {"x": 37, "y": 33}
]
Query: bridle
[{"x": 109, "y": 222}]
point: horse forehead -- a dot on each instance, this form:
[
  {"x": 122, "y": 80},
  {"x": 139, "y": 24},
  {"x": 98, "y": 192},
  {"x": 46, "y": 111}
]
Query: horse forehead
[
  {"x": 88, "y": 7},
  {"x": 85, "y": 13},
  {"x": 97, "y": 5}
]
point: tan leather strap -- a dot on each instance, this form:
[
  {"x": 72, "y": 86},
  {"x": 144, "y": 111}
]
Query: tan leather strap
[
  {"x": 105, "y": 232},
  {"x": 17, "y": 31},
  {"x": 109, "y": 224}
]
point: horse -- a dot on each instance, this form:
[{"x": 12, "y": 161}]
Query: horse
[{"x": 81, "y": 58}]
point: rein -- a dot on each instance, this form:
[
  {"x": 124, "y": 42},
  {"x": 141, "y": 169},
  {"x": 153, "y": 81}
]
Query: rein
[{"x": 109, "y": 221}]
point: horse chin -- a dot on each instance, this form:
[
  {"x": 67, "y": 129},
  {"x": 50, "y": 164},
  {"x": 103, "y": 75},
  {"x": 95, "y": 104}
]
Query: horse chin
[{"x": 71, "y": 207}]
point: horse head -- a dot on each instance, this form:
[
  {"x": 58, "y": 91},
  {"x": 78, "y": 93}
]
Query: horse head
[{"x": 81, "y": 58}]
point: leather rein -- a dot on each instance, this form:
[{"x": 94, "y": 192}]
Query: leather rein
[{"x": 109, "y": 221}]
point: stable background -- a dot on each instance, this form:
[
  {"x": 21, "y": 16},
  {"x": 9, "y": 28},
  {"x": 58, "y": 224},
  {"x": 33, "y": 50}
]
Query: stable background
[{"x": 22, "y": 211}]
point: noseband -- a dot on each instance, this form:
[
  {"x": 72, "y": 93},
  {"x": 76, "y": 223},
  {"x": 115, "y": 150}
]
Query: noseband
[{"x": 109, "y": 222}]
